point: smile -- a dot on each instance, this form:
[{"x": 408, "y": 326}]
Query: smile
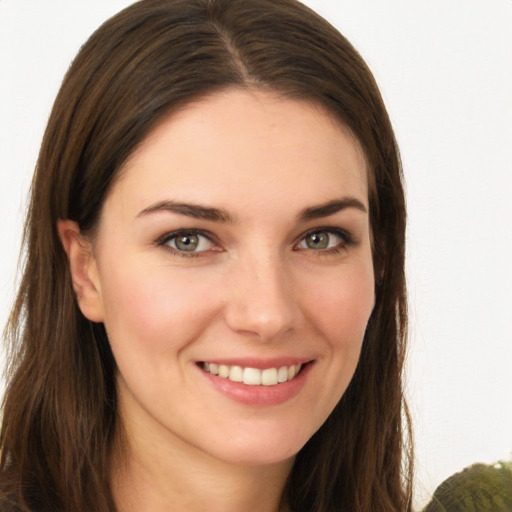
[{"x": 253, "y": 376}]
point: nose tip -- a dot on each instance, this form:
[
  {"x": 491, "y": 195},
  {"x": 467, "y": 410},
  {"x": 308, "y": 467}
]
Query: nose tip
[
  {"x": 258, "y": 322},
  {"x": 262, "y": 304}
]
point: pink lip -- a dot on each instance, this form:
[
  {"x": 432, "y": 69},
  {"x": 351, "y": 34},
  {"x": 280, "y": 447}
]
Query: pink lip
[{"x": 260, "y": 395}]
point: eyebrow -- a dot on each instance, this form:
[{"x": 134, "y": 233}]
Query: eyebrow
[
  {"x": 220, "y": 215},
  {"x": 189, "y": 210},
  {"x": 331, "y": 207}
]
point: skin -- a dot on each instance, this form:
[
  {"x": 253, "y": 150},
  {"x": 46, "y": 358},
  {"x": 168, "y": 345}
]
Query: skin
[{"x": 255, "y": 290}]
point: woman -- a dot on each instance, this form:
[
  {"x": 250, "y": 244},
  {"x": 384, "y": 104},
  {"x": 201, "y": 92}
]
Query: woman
[{"x": 213, "y": 304}]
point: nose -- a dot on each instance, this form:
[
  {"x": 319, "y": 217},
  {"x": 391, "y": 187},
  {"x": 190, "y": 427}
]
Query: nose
[{"x": 261, "y": 300}]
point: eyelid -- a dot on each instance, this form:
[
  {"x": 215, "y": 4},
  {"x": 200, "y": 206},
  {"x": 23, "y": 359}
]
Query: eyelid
[
  {"x": 345, "y": 235},
  {"x": 163, "y": 240}
]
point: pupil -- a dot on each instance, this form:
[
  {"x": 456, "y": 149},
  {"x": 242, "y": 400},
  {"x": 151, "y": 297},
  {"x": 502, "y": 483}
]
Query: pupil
[
  {"x": 318, "y": 241},
  {"x": 187, "y": 243}
]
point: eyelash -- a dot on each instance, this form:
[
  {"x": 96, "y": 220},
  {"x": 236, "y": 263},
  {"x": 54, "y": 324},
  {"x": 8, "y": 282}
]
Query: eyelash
[
  {"x": 347, "y": 241},
  {"x": 168, "y": 237}
]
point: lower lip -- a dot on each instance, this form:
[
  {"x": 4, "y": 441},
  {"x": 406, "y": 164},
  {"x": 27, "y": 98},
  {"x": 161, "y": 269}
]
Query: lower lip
[{"x": 260, "y": 395}]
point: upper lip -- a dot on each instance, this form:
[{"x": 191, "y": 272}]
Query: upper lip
[{"x": 261, "y": 364}]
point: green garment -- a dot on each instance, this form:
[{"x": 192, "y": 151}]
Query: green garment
[{"x": 477, "y": 488}]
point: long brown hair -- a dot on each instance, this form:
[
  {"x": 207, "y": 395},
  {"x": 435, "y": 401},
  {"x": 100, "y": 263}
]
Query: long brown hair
[{"x": 60, "y": 410}]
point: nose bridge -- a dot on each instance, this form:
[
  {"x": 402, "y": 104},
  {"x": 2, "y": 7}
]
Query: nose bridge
[{"x": 261, "y": 302}]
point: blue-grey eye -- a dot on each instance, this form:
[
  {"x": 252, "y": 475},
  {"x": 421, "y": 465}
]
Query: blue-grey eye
[
  {"x": 320, "y": 240},
  {"x": 190, "y": 242}
]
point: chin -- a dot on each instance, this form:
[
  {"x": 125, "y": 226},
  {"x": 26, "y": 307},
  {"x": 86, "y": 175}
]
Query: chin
[{"x": 265, "y": 447}]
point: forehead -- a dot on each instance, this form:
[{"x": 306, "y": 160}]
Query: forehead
[{"x": 242, "y": 146}]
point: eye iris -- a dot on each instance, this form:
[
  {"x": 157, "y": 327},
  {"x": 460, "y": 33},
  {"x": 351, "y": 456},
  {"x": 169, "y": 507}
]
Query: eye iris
[
  {"x": 317, "y": 240},
  {"x": 187, "y": 243}
]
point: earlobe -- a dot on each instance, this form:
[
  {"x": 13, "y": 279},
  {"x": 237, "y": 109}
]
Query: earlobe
[{"x": 83, "y": 268}]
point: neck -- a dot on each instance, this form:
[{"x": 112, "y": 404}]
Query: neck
[{"x": 196, "y": 489}]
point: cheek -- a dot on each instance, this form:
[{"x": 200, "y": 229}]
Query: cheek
[
  {"x": 339, "y": 309},
  {"x": 342, "y": 306},
  {"x": 154, "y": 309}
]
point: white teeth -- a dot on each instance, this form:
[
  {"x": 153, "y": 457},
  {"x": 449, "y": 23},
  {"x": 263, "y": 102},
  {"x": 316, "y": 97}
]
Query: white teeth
[
  {"x": 223, "y": 371},
  {"x": 253, "y": 376},
  {"x": 269, "y": 377},
  {"x": 235, "y": 374},
  {"x": 282, "y": 374}
]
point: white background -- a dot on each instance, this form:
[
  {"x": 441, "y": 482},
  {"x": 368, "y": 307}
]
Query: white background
[{"x": 445, "y": 71}]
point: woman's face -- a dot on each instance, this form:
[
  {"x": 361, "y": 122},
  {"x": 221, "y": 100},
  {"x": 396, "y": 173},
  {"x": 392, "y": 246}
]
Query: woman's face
[{"x": 236, "y": 241}]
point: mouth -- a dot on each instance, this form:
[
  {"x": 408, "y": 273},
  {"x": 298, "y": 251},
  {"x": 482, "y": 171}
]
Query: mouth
[
  {"x": 258, "y": 383},
  {"x": 254, "y": 376}
]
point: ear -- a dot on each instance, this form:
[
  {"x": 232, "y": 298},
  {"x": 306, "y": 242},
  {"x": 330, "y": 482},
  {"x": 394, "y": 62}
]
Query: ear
[{"x": 84, "y": 270}]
